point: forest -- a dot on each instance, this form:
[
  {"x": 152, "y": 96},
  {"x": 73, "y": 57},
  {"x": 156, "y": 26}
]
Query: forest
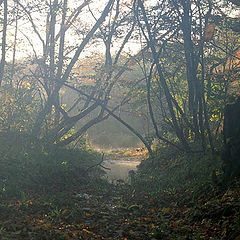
[{"x": 119, "y": 119}]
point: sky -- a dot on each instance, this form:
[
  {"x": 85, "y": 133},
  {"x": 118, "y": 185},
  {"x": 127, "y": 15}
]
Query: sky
[{"x": 26, "y": 34}]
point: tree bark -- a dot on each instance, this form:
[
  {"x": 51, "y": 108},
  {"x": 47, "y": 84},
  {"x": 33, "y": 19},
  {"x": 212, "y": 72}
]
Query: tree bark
[
  {"x": 231, "y": 131},
  {"x": 51, "y": 98},
  {"x": 4, "y": 37},
  {"x": 150, "y": 41},
  {"x": 102, "y": 104}
]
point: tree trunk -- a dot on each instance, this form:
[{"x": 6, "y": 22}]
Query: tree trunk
[
  {"x": 167, "y": 93},
  {"x": 4, "y": 37},
  {"x": 231, "y": 131}
]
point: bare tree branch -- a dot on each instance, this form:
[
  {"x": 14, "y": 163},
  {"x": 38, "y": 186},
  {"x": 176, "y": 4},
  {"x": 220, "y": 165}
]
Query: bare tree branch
[
  {"x": 31, "y": 21},
  {"x": 67, "y": 72}
]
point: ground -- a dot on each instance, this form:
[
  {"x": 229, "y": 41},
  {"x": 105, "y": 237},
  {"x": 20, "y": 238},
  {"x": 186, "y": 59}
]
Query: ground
[{"x": 99, "y": 210}]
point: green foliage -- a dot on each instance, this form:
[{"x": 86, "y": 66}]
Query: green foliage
[
  {"x": 172, "y": 172},
  {"x": 27, "y": 163},
  {"x": 18, "y": 107}
]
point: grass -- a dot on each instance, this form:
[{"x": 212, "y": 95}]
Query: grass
[
  {"x": 33, "y": 167},
  {"x": 172, "y": 197},
  {"x": 173, "y": 172}
]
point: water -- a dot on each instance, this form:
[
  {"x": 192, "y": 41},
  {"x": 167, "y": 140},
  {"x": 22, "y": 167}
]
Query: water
[{"x": 119, "y": 169}]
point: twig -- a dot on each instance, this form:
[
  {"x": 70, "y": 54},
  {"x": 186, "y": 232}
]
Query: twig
[{"x": 98, "y": 164}]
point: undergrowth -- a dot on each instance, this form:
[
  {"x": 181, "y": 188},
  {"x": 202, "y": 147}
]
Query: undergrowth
[
  {"x": 32, "y": 166},
  {"x": 172, "y": 172}
]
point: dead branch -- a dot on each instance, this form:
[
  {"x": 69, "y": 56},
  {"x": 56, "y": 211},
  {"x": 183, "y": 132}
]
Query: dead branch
[{"x": 98, "y": 164}]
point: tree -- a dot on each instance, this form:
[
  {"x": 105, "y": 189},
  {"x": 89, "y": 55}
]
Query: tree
[
  {"x": 4, "y": 37},
  {"x": 53, "y": 68},
  {"x": 56, "y": 68},
  {"x": 179, "y": 26}
]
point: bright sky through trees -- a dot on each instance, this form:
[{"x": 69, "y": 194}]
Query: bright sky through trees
[{"x": 28, "y": 41}]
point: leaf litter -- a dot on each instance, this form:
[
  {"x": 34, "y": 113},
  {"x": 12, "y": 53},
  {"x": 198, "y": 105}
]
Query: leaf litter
[{"x": 122, "y": 212}]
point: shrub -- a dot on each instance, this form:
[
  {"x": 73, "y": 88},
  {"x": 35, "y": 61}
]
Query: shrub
[
  {"x": 171, "y": 172},
  {"x": 27, "y": 164}
]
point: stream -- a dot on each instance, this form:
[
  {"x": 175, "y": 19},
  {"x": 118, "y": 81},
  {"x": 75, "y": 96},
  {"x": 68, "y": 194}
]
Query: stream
[{"x": 120, "y": 168}]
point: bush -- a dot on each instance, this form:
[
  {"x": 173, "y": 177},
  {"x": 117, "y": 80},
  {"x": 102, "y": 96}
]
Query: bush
[
  {"x": 27, "y": 164},
  {"x": 174, "y": 172}
]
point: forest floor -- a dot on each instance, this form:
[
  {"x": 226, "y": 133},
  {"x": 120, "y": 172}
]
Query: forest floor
[{"x": 99, "y": 210}]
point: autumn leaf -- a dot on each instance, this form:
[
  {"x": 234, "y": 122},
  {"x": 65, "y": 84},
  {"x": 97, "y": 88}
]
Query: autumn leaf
[
  {"x": 87, "y": 214},
  {"x": 64, "y": 211},
  {"x": 87, "y": 231},
  {"x": 151, "y": 201},
  {"x": 153, "y": 210},
  {"x": 165, "y": 210},
  {"x": 209, "y": 31}
]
